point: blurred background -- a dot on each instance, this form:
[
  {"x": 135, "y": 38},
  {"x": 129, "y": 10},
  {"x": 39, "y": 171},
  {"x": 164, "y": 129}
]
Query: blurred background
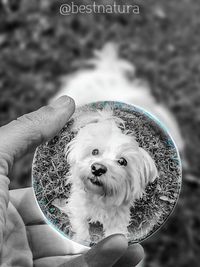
[{"x": 38, "y": 46}]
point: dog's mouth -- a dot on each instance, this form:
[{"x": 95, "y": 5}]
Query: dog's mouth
[{"x": 95, "y": 181}]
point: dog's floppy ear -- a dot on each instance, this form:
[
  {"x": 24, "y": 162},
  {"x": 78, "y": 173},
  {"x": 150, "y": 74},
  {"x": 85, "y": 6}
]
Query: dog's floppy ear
[
  {"x": 148, "y": 169},
  {"x": 70, "y": 152}
]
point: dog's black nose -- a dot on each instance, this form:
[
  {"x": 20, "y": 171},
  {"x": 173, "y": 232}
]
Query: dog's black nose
[{"x": 98, "y": 169}]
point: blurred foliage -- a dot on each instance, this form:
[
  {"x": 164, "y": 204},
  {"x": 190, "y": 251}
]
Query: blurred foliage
[{"x": 38, "y": 46}]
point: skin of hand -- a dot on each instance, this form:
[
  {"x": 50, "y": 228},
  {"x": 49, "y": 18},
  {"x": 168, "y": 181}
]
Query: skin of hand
[{"x": 49, "y": 248}]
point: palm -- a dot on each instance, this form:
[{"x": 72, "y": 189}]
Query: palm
[{"x": 52, "y": 249}]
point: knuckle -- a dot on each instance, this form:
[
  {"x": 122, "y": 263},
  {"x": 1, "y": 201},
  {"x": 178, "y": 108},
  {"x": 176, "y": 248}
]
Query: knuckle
[
  {"x": 35, "y": 118},
  {"x": 47, "y": 109},
  {"x": 26, "y": 118},
  {"x": 5, "y": 162},
  {"x": 31, "y": 125}
]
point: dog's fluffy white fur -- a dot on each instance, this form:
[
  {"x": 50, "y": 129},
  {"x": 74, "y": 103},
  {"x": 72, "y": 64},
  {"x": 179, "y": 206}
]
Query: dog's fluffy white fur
[
  {"x": 113, "y": 78},
  {"x": 108, "y": 198},
  {"x": 105, "y": 197}
]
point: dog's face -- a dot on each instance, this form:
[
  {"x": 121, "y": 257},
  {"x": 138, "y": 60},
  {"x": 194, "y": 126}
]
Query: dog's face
[{"x": 107, "y": 162}]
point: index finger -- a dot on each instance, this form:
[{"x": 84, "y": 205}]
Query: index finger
[{"x": 28, "y": 131}]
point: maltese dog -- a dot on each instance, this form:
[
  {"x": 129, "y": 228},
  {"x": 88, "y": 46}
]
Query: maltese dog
[
  {"x": 108, "y": 172},
  {"x": 108, "y": 169},
  {"x": 109, "y": 77}
]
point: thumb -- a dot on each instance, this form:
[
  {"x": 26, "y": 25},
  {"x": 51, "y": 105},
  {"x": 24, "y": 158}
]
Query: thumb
[
  {"x": 105, "y": 254},
  {"x": 28, "y": 131}
]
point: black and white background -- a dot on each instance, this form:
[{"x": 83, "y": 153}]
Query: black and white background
[{"x": 38, "y": 46}]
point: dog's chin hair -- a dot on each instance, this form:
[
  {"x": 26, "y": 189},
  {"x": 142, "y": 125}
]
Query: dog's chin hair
[
  {"x": 114, "y": 193},
  {"x": 117, "y": 195},
  {"x": 123, "y": 194},
  {"x": 117, "y": 190}
]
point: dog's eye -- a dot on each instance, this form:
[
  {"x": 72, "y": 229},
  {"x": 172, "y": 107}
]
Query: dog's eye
[
  {"x": 122, "y": 162},
  {"x": 95, "y": 152}
]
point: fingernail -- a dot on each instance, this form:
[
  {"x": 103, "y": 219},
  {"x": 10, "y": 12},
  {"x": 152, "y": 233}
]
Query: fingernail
[{"x": 63, "y": 101}]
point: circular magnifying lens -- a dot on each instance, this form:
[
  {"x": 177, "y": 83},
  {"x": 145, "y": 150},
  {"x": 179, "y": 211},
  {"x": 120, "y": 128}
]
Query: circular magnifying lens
[{"x": 113, "y": 168}]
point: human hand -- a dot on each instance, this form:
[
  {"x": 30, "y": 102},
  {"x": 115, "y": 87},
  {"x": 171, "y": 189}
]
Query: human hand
[
  {"x": 52, "y": 249},
  {"x": 48, "y": 247}
]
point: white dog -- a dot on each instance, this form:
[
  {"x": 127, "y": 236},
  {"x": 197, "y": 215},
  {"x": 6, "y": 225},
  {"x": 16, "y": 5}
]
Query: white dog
[
  {"x": 113, "y": 78},
  {"x": 108, "y": 172},
  {"x": 107, "y": 175}
]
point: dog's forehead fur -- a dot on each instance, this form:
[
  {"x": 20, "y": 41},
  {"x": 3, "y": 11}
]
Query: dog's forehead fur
[
  {"x": 105, "y": 135},
  {"x": 104, "y": 129}
]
